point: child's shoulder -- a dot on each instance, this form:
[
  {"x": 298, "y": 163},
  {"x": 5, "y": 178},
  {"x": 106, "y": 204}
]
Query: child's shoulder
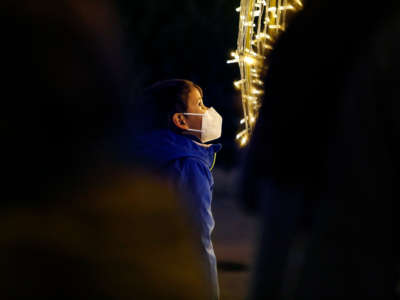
[
  {"x": 192, "y": 168},
  {"x": 190, "y": 163}
]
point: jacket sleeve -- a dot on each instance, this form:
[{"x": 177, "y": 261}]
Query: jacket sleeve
[{"x": 194, "y": 182}]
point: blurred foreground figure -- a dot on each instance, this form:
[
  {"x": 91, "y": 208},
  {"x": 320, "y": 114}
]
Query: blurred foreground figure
[
  {"x": 325, "y": 156},
  {"x": 77, "y": 220}
]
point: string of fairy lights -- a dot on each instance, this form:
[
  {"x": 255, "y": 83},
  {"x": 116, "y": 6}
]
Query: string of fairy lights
[{"x": 260, "y": 24}]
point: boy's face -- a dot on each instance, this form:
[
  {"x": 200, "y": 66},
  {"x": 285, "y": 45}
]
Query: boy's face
[{"x": 194, "y": 105}]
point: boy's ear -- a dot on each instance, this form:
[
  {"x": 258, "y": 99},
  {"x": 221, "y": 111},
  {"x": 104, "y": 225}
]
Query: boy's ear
[{"x": 180, "y": 121}]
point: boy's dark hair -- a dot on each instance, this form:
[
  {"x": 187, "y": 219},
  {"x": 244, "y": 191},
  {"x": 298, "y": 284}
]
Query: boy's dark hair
[{"x": 168, "y": 97}]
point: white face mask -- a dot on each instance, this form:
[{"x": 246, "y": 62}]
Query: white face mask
[{"x": 211, "y": 125}]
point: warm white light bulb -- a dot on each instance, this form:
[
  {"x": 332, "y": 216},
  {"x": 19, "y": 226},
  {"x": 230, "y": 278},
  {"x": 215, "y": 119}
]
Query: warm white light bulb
[
  {"x": 249, "y": 60},
  {"x": 244, "y": 140}
]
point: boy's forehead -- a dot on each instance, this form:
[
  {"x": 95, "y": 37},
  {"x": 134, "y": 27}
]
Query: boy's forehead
[{"x": 195, "y": 95}]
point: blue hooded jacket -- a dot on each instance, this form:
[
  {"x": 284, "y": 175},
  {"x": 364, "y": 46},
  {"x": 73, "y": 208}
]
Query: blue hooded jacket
[{"x": 188, "y": 165}]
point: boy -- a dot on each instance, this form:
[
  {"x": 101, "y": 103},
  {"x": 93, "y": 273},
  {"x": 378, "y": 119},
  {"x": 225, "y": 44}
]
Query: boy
[{"x": 176, "y": 147}]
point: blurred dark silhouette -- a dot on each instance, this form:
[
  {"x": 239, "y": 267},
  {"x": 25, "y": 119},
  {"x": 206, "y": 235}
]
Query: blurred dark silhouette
[
  {"x": 324, "y": 159},
  {"x": 78, "y": 220},
  {"x": 62, "y": 90}
]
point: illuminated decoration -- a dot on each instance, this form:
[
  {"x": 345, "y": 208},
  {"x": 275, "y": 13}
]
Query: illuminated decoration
[{"x": 260, "y": 24}]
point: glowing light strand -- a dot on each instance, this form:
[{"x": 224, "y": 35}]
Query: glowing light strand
[{"x": 260, "y": 24}]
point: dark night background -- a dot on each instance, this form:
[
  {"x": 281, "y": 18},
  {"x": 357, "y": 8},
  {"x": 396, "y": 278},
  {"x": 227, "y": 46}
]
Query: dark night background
[
  {"x": 192, "y": 40},
  {"x": 66, "y": 193}
]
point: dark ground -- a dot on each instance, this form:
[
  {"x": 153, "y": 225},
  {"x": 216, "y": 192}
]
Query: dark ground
[
  {"x": 234, "y": 238},
  {"x": 235, "y": 241}
]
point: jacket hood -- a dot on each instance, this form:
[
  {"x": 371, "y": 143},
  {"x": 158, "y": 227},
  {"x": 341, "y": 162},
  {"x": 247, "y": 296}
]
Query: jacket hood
[{"x": 160, "y": 147}]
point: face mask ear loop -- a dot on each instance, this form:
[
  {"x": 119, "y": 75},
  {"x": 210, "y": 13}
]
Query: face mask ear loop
[
  {"x": 192, "y": 114},
  {"x": 195, "y": 130}
]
